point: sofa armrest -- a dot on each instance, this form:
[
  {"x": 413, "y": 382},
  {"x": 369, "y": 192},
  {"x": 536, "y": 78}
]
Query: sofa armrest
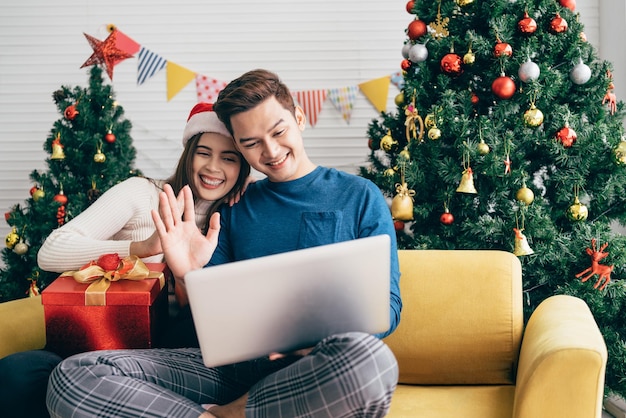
[
  {"x": 562, "y": 362},
  {"x": 22, "y": 326}
]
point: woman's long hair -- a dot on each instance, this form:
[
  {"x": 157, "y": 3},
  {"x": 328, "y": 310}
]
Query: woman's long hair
[{"x": 184, "y": 173}]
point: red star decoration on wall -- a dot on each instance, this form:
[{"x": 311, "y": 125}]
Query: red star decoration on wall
[{"x": 105, "y": 53}]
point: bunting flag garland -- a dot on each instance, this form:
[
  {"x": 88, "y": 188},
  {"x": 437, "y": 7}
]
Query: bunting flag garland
[
  {"x": 124, "y": 43},
  {"x": 148, "y": 65},
  {"x": 177, "y": 78},
  {"x": 343, "y": 98},
  {"x": 208, "y": 88},
  {"x": 376, "y": 92},
  {"x": 118, "y": 46},
  {"x": 397, "y": 79},
  {"x": 311, "y": 102}
]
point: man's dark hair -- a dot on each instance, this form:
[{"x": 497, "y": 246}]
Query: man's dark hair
[{"x": 248, "y": 91}]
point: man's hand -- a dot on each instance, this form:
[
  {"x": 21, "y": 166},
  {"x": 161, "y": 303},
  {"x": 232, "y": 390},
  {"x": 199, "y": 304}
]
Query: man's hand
[
  {"x": 297, "y": 353},
  {"x": 185, "y": 248}
]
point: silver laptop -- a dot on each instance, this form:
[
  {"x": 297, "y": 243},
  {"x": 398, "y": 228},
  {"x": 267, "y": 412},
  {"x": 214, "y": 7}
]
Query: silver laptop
[{"x": 279, "y": 303}]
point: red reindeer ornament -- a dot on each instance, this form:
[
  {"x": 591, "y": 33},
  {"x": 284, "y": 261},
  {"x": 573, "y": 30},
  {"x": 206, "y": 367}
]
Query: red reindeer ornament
[{"x": 603, "y": 271}]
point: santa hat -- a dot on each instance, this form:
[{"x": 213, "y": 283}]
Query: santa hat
[{"x": 203, "y": 119}]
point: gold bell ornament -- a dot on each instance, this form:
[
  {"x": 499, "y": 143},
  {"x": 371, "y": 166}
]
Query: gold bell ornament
[
  {"x": 57, "y": 149},
  {"x": 467, "y": 182},
  {"x": 521, "y": 243},
  {"x": 577, "y": 211},
  {"x": 402, "y": 203},
  {"x": 467, "y": 178}
]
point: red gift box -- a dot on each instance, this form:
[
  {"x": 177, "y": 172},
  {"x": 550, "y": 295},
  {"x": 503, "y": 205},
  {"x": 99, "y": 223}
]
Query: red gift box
[{"x": 133, "y": 314}]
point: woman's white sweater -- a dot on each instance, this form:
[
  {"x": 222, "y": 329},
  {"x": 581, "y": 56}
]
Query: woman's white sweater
[{"x": 119, "y": 217}]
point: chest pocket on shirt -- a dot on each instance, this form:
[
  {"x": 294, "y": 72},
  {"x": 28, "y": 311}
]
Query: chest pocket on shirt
[{"x": 319, "y": 228}]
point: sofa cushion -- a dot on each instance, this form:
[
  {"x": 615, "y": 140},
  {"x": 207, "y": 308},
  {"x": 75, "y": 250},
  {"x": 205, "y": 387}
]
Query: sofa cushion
[{"x": 461, "y": 323}]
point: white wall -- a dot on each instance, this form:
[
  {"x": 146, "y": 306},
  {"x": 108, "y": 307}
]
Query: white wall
[{"x": 312, "y": 44}]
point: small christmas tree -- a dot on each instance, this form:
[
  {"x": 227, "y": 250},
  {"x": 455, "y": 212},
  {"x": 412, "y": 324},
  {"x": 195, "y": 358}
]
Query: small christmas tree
[
  {"x": 90, "y": 150},
  {"x": 507, "y": 135}
]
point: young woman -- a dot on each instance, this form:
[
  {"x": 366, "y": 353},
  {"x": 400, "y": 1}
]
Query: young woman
[{"x": 120, "y": 222}]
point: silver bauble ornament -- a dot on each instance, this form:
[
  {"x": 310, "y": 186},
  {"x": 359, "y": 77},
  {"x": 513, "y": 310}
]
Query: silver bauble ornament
[
  {"x": 405, "y": 50},
  {"x": 418, "y": 53},
  {"x": 581, "y": 73},
  {"x": 528, "y": 71}
]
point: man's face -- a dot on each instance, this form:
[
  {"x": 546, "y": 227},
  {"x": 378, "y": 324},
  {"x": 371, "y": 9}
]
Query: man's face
[{"x": 270, "y": 139}]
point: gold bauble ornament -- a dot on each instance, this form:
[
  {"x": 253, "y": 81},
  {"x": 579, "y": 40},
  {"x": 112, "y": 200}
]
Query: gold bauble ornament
[
  {"x": 399, "y": 99},
  {"x": 429, "y": 121},
  {"x": 405, "y": 154},
  {"x": 387, "y": 143},
  {"x": 578, "y": 211},
  {"x": 12, "y": 238},
  {"x": 99, "y": 157},
  {"x": 38, "y": 194},
  {"x": 469, "y": 58},
  {"x": 434, "y": 133},
  {"x": 483, "y": 148},
  {"x": 390, "y": 172},
  {"x": 464, "y": 3},
  {"x": 20, "y": 248},
  {"x": 620, "y": 153},
  {"x": 533, "y": 116},
  {"x": 525, "y": 195}
]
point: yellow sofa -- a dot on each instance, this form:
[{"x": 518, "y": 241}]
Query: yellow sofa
[
  {"x": 463, "y": 350},
  {"x": 461, "y": 344}
]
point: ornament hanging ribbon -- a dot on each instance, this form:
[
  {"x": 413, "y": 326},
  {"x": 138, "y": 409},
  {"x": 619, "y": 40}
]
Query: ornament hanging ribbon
[
  {"x": 412, "y": 118},
  {"x": 99, "y": 279}
]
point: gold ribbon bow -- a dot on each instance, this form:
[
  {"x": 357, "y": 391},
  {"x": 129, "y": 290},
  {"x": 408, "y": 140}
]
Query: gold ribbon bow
[{"x": 99, "y": 279}]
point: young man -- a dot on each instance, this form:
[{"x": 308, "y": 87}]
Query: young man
[{"x": 298, "y": 205}]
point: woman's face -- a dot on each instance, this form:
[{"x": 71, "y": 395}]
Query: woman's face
[{"x": 216, "y": 165}]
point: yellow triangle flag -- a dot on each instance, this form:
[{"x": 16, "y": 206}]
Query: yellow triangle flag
[
  {"x": 177, "y": 78},
  {"x": 376, "y": 91}
]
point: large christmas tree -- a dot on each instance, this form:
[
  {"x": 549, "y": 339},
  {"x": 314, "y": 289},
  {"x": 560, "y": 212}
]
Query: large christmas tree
[
  {"x": 507, "y": 135},
  {"x": 90, "y": 150}
]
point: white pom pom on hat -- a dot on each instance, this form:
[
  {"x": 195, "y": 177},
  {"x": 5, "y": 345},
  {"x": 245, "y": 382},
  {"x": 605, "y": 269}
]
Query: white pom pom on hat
[{"x": 203, "y": 119}]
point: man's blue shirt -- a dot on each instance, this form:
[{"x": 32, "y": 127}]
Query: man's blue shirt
[{"x": 323, "y": 207}]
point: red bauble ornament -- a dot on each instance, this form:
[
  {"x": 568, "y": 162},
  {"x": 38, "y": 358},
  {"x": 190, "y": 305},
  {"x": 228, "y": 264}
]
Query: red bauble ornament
[
  {"x": 570, "y": 4},
  {"x": 409, "y": 6},
  {"x": 567, "y": 136},
  {"x": 70, "y": 112},
  {"x": 502, "y": 48},
  {"x": 109, "y": 261},
  {"x": 398, "y": 225},
  {"x": 61, "y": 198},
  {"x": 109, "y": 137},
  {"x": 527, "y": 25},
  {"x": 417, "y": 29},
  {"x": 503, "y": 87},
  {"x": 558, "y": 24},
  {"x": 475, "y": 99},
  {"x": 33, "y": 190},
  {"x": 451, "y": 64},
  {"x": 405, "y": 65},
  {"x": 446, "y": 218},
  {"x": 7, "y": 216}
]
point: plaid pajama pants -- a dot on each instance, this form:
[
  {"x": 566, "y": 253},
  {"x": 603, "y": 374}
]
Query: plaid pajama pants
[{"x": 346, "y": 375}]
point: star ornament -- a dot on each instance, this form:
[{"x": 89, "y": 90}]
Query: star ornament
[{"x": 105, "y": 53}]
